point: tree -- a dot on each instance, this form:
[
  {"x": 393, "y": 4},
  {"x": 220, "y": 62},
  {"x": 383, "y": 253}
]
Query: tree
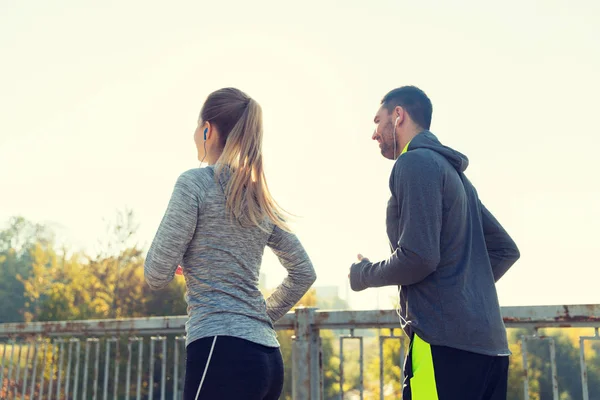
[
  {"x": 539, "y": 365},
  {"x": 17, "y": 240},
  {"x": 54, "y": 285},
  {"x": 12, "y": 301},
  {"x": 37, "y": 285},
  {"x": 168, "y": 301},
  {"x": 392, "y": 366},
  {"x": 118, "y": 258}
]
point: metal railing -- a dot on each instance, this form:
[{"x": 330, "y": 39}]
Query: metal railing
[{"x": 33, "y": 363}]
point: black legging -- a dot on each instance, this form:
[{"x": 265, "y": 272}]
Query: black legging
[{"x": 237, "y": 369}]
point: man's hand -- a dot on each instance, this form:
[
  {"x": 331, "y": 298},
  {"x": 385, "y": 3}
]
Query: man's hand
[
  {"x": 360, "y": 258},
  {"x": 355, "y": 274}
]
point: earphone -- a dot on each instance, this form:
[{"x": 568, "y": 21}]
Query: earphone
[{"x": 205, "y": 132}]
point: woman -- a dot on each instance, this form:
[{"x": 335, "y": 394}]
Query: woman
[{"x": 216, "y": 226}]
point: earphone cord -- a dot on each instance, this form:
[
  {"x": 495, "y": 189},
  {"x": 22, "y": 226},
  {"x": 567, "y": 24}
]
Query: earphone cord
[
  {"x": 204, "y": 154},
  {"x": 398, "y": 309},
  {"x": 402, "y": 319}
]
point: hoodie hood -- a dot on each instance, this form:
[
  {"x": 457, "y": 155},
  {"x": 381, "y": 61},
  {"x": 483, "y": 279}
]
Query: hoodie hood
[{"x": 427, "y": 140}]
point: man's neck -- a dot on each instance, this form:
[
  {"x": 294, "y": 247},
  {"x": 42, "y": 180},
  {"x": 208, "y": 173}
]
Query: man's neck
[{"x": 407, "y": 136}]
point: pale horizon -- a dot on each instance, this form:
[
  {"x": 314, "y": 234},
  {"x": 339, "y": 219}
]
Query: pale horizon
[{"x": 99, "y": 104}]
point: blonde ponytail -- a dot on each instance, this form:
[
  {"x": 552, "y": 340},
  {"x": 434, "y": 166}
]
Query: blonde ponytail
[{"x": 247, "y": 193}]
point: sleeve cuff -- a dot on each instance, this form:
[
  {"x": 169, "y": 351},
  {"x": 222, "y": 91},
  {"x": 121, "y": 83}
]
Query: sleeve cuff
[{"x": 357, "y": 282}]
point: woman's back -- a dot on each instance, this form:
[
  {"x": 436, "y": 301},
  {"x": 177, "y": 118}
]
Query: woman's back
[{"x": 221, "y": 261}]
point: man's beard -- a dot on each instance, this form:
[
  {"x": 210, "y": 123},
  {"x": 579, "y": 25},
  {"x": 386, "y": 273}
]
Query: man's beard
[
  {"x": 387, "y": 148},
  {"x": 387, "y": 151}
]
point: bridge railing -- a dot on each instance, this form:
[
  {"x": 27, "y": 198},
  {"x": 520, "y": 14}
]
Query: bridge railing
[{"x": 144, "y": 358}]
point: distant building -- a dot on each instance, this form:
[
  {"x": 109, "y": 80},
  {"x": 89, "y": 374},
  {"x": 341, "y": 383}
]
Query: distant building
[
  {"x": 328, "y": 298},
  {"x": 327, "y": 292}
]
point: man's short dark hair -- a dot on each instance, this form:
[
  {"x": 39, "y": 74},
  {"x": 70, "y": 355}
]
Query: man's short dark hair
[{"x": 414, "y": 101}]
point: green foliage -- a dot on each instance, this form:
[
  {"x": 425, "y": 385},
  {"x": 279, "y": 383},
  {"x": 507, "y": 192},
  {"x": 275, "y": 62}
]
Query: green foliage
[
  {"x": 17, "y": 240},
  {"x": 539, "y": 366},
  {"x": 392, "y": 366},
  {"x": 39, "y": 282}
]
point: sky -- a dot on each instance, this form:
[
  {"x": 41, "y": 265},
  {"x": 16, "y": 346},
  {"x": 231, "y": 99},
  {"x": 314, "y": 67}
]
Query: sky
[{"x": 99, "y": 102}]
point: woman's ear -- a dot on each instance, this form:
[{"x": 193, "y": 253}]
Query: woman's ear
[{"x": 209, "y": 130}]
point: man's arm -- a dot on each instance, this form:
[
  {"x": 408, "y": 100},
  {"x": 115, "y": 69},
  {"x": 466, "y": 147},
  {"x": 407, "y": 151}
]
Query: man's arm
[
  {"x": 502, "y": 250},
  {"x": 418, "y": 187}
]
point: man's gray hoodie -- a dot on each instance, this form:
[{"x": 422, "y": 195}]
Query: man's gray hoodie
[{"x": 448, "y": 252}]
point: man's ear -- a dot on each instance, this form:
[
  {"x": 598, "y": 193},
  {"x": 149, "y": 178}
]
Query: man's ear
[{"x": 399, "y": 113}]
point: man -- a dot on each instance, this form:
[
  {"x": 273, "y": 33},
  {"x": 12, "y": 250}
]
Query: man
[{"x": 448, "y": 252}]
